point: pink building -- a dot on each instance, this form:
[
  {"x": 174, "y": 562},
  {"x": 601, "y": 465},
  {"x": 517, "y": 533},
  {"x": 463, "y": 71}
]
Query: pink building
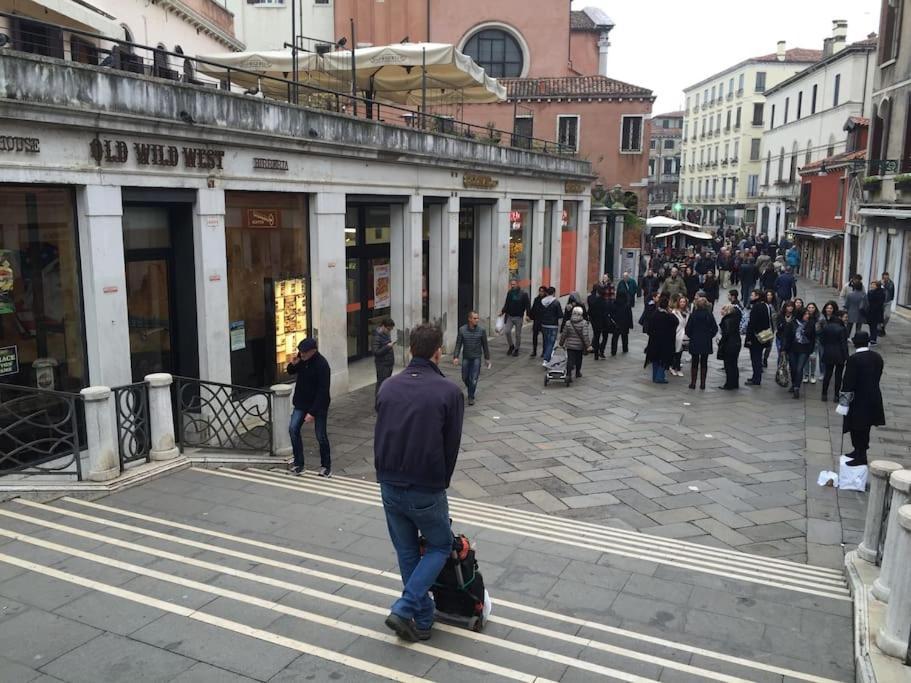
[{"x": 553, "y": 62}]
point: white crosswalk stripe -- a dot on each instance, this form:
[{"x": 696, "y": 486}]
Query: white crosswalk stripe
[{"x": 753, "y": 572}]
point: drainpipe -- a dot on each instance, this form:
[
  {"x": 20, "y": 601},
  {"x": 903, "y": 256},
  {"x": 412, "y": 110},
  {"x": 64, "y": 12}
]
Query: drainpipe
[{"x": 428, "y": 21}]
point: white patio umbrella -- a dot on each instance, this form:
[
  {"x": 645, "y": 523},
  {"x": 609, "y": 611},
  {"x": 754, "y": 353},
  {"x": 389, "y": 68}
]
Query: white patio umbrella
[
  {"x": 257, "y": 67},
  {"x": 415, "y": 73},
  {"x": 662, "y": 222}
]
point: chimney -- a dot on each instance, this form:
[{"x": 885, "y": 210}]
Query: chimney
[
  {"x": 603, "y": 44},
  {"x": 781, "y": 51},
  {"x": 839, "y": 35}
]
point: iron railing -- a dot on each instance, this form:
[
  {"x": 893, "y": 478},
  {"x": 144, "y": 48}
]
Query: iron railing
[
  {"x": 134, "y": 428},
  {"x": 38, "y": 37},
  {"x": 40, "y": 431},
  {"x": 883, "y": 525},
  {"x": 222, "y": 417},
  {"x": 883, "y": 166}
]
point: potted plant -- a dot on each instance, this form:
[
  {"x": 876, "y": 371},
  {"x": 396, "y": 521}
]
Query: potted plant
[
  {"x": 872, "y": 182},
  {"x": 903, "y": 181},
  {"x": 493, "y": 135}
]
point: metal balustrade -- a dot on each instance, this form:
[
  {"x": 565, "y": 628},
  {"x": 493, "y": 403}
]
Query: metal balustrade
[
  {"x": 134, "y": 429},
  {"x": 222, "y": 417}
]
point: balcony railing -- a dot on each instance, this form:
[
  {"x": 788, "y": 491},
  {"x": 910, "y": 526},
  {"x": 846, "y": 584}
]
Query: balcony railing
[
  {"x": 730, "y": 96},
  {"x": 734, "y": 160},
  {"x": 885, "y": 166},
  {"x": 724, "y": 162},
  {"x": 123, "y": 56},
  {"x": 740, "y": 92},
  {"x": 718, "y": 131},
  {"x": 736, "y": 127},
  {"x": 757, "y": 123}
]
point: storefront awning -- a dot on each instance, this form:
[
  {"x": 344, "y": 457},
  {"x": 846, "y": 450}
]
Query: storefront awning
[
  {"x": 688, "y": 233},
  {"x": 886, "y": 212},
  {"x": 816, "y": 233}
]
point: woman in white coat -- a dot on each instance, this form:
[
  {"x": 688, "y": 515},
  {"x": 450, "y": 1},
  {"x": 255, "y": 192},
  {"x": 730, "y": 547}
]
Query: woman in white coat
[{"x": 682, "y": 313}]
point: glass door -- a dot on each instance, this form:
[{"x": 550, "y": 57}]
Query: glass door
[
  {"x": 368, "y": 274},
  {"x": 149, "y": 307}
]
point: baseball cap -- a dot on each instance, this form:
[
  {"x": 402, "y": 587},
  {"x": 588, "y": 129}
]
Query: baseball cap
[{"x": 307, "y": 344}]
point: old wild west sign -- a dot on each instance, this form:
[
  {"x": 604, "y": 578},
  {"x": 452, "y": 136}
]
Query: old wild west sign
[{"x": 264, "y": 218}]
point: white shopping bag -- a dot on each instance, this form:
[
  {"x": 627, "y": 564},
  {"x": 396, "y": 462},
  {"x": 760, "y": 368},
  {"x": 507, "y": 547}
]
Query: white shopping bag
[
  {"x": 827, "y": 478},
  {"x": 500, "y": 324},
  {"x": 488, "y": 605},
  {"x": 851, "y": 478}
]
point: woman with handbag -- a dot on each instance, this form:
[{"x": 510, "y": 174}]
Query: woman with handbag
[
  {"x": 576, "y": 338},
  {"x": 682, "y": 313},
  {"x": 729, "y": 346},
  {"x": 759, "y": 334},
  {"x": 802, "y": 345},
  {"x": 662, "y": 333},
  {"x": 701, "y": 329}
]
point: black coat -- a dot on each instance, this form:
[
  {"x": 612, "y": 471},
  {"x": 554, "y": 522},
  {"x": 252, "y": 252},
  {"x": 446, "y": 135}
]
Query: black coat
[
  {"x": 710, "y": 287},
  {"x": 729, "y": 346},
  {"x": 311, "y": 386},
  {"x": 748, "y": 275},
  {"x": 621, "y": 314},
  {"x": 809, "y": 330},
  {"x": 692, "y": 286},
  {"x": 760, "y": 319},
  {"x": 862, "y": 374},
  {"x": 536, "y": 308},
  {"x": 876, "y": 302},
  {"x": 701, "y": 329},
  {"x": 597, "y": 312},
  {"x": 662, "y": 337},
  {"x": 833, "y": 335},
  {"x": 785, "y": 332}
]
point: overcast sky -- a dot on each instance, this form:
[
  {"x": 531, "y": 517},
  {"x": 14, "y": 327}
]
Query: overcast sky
[{"x": 666, "y": 45}]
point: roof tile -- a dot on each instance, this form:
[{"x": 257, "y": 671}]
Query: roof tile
[{"x": 573, "y": 86}]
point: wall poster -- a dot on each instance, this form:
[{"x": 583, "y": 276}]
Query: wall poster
[{"x": 382, "y": 297}]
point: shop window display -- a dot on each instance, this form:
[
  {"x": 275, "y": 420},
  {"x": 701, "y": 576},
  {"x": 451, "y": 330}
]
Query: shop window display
[
  {"x": 520, "y": 225},
  {"x": 42, "y": 342},
  {"x": 268, "y": 283},
  {"x": 568, "y": 237}
]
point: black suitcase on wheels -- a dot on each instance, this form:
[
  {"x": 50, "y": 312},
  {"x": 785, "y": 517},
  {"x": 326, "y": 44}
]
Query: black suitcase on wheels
[{"x": 458, "y": 592}]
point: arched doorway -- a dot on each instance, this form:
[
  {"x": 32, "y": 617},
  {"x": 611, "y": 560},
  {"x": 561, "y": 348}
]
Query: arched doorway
[{"x": 764, "y": 223}]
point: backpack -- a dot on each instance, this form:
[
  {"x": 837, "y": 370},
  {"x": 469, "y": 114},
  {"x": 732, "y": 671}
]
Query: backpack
[{"x": 744, "y": 322}]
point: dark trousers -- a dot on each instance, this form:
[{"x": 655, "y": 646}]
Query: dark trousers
[
  {"x": 535, "y": 331},
  {"x": 798, "y": 361},
  {"x": 599, "y": 340},
  {"x": 756, "y": 354},
  {"x": 471, "y": 373},
  {"x": 677, "y": 363},
  {"x": 836, "y": 371},
  {"x": 613, "y": 342},
  {"x": 322, "y": 437},
  {"x": 732, "y": 373},
  {"x": 860, "y": 439},
  {"x": 874, "y": 331},
  {"x": 383, "y": 372},
  {"x": 575, "y": 361}
]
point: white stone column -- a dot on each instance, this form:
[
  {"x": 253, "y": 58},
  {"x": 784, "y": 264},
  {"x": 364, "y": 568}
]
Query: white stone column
[
  {"x": 405, "y": 259},
  {"x": 893, "y": 636},
  {"x": 449, "y": 272},
  {"x": 484, "y": 232},
  {"x": 583, "y": 230},
  {"x": 556, "y": 240},
  {"x": 161, "y": 417},
  {"x": 104, "y": 295},
  {"x": 101, "y": 433},
  {"x": 537, "y": 248},
  {"x": 493, "y": 261},
  {"x": 618, "y": 246},
  {"x": 281, "y": 418},
  {"x": 327, "y": 276},
  {"x": 437, "y": 256},
  {"x": 210, "y": 258},
  {"x": 880, "y": 471},
  {"x": 900, "y": 483}
]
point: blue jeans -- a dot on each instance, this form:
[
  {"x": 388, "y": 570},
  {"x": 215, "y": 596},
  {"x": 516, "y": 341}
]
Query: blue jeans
[
  {"x": 322, "y": 438},
  {"x": 471, "y": 373},
  {"x": 411, "y": 514},
  {"x": 658, "y": 372},
  {"x": 550, "y": 339},
  {"x": 798, "y": 361}
]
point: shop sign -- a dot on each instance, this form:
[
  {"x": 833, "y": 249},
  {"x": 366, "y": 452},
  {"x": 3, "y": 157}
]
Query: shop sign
[
  {"x": 382, "y": 297},
  {"x": 7, "y": 279},
  {"x": 479, "y": 182},
  {"x": 270, "y": 164},
  {"x": 151, "y": 154},
  {"x": 15, "y": 143},
  {"x": 515, "y": 221},
  {"x": 264, "y": 218},
  {"x": 9, "y": 360},
  {"x": 574, "y": 187}
]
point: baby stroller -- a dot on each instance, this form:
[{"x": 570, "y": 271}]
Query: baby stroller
[{"x": 558, "y": 368}]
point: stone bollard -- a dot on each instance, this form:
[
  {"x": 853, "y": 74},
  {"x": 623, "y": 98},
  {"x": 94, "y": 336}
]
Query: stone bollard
[
  {"x": 281, "y": 418},
  {"x": 101, "y": 433},
  {"x": 900, "y": 483},
  {"x": 164, "y": 445},
  {"x": 880, "y": 470},
  {"x": 893, "y": 636}
]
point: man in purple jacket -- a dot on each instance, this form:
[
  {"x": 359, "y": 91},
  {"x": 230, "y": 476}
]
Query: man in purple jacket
[{"x": 415, "y": 446}]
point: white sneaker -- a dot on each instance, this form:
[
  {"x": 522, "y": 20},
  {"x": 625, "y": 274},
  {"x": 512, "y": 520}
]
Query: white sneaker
[
  {"x": 544, "y": 364},
  {"x": 806, "y": 379},
  {"x": 813, "y": 379}
]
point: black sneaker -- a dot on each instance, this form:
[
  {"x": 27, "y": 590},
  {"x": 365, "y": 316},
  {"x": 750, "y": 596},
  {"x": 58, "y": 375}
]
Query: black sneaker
[
  {"x": 298, "y": 470},
  {"x": 403, "y": 628},
  {"x": 510, "y": 350},
  {"x": 532, "y": 354},
  {"x": 515, "y": 353},
  {"x": 471, "y": 401},
  {"x": 423, "y": 633},
  {"x": 324, "y": 472}
]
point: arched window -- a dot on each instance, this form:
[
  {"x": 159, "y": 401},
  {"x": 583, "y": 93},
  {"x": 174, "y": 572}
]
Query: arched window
[
  {"x": 792, "y": 175},
  {"x": 188, "y": 72},
  {"x": 809, "y": 156},
  {"x": 497, "y": 51},
  {"x": 830, "y": 150},
  {"x": 127, "y": 36},
  {"x": 781, "y": 166}
]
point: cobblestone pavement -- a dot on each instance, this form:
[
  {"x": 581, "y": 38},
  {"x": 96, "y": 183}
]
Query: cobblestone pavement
[
  {"x": 213, "y": 576},
  {"x": 730, "y": 469}
]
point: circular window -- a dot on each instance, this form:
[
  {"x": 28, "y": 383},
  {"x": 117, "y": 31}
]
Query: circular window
[{"x": 497, "y": 51}]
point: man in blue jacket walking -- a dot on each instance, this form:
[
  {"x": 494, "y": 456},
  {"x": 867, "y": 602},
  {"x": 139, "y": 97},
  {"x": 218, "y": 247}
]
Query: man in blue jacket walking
[{"x": 415, "y": 445}]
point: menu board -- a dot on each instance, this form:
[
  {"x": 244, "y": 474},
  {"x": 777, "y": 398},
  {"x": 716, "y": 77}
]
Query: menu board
[{"x": 290, "y": 318}]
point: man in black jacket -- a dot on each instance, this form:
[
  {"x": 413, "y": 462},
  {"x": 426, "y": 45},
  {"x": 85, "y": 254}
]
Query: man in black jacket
[
  {"x": 535, "y": 314},
  {"x": 415, "y": 445},
  {"x": 515, "y": 308},
  {"x": 747, "y": 278},
  {"x": 311, "y": 404},
  {"x": 383, "y": 352},
  {"x": 760, "y": 320},
  {"x": 862, "y": 397}
]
